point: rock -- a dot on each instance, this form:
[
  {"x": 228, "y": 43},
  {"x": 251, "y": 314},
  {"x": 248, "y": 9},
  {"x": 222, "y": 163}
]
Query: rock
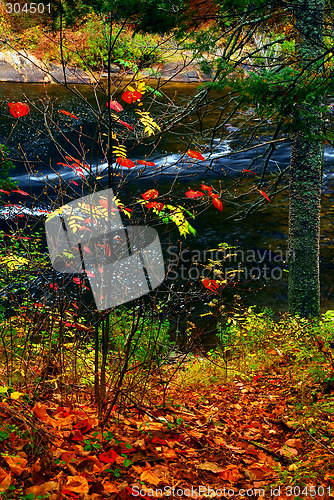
[
  {"x": 16, "y": 67},
  {"x": 72, "y": 75},
  {"x": 26, "y": 68}
]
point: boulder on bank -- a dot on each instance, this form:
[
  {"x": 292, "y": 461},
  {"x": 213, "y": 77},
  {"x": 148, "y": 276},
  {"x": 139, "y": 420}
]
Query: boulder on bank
[{"x": 26, "y": 68}]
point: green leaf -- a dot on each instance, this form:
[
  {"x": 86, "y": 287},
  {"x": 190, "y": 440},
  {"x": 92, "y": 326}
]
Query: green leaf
[{"x": 127, "y": 462}]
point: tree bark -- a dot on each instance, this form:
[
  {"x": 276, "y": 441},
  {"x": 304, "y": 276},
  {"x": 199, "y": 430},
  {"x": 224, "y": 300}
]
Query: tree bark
[{"x": 306, "y": 172}]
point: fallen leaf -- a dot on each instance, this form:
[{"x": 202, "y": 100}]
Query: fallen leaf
[
  {"x": 211, "y": 466},
  {"x": 5, "y": 479},
  {"x": 44, "y": 489},
  {"x": 17, "y": 464},
  {"x": 110, "y": 487},
  {"x": 40, "y": 411},
  {"x": 286, "y": 451},
  {"x": 78, "y": 484},
  {"x": 149, "y": 477},
  {"x": 231, "y": 473}
]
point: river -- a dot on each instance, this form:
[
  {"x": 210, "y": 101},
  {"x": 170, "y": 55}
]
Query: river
[{"x": 260, "y": 240}]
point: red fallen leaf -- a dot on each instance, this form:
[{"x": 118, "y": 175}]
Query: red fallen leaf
[
  {"x": 125, "y": 162},
  {"x": 150, "y": 194},
  {"x": 217, "y": 204},
  {"x": 147, "y": 163},
  {"x": 130, "y": 97},
  {"x": 77, "y": 281},
  {"x": 196, "y": 155},
  {"x": 108, "y": 457},
  {"x": 18, "y": 109},
  {"x": 194, "y": 194},
  {"x": 83, "y": 426},
  {"x": 3, "y": 191},
  {"x": 116, "y": 106},
  {"x": 204, "y": 187},
  {"x": 155, "y": 204},
  {"x": 67, "y": 113},
  {"x": 90, "y": 274},
  {"x": 221, "y": 388},
  {"x": 20, "y": 192},
  {"x": 125, "y": 124},
  {"x": 76, "y": 435},
  {"x": 210, "y": 284},
  {"x": 250, "y": 171},
  {"x": 159, "y": 441},
  {"x": 264, "y": 194},
  {"x": 256, "y": 377},
  {"x": 69, "y": 493}
]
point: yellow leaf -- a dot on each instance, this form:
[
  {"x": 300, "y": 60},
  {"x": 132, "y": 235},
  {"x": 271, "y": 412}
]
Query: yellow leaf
[{"x": 16, "y": 395}]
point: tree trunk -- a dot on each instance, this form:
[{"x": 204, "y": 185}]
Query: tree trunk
[{"x": 306, "y": 173}]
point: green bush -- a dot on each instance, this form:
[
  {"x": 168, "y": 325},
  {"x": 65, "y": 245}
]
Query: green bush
[{"x": 128, "y": 48}]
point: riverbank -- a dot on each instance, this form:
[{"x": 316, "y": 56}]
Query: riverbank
[{"x": 24, "y": 67}]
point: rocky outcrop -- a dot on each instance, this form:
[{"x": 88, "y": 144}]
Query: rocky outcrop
[{"x": 26, "y": 68}]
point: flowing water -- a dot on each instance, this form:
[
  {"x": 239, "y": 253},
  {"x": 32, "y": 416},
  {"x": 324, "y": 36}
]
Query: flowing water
[{"x": 260, "y": 240}]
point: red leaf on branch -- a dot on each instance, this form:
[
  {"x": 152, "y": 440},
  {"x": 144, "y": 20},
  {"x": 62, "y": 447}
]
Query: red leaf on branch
[
  {"x": 67, "y": 113},
  {"x": 264, "y": 194},
  {"x": 125, "y": 162},
  {"x": 194, "y": 194},
  {"x": 195, "y": 154},
  {"x": 130, "y": 97},
  {"x": 147, "y": 163},
  {"x": 204, "y": 187},
  {"x": 3, "y": 191},
  {"x": 77, "y": 281},
  {"x": 150, "y": 194},
  {"x": 18, "y": 109},
  {"x": 20, "y": 192},
  {"x": 249, "y": 171},
  {"x": 116, "y": 106},
  {"x": 217, "y": 203},
  {"x": 210, "y": 284},
  {"x": 125, "y": 124},
  {"x": 156, "y": 205}
]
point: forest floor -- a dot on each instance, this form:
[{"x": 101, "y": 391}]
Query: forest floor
[{"x": 252, "y": 437}]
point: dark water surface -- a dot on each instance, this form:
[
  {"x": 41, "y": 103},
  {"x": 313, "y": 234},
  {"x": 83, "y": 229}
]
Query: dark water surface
[{"x": 260, "y": 239}]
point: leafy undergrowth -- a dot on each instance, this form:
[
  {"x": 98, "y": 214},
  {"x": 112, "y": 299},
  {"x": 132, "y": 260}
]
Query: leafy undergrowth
[{"x": 243, "y": 435}]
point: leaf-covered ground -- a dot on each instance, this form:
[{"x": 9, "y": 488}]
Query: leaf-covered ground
[{"x": 244, "y": 439}]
